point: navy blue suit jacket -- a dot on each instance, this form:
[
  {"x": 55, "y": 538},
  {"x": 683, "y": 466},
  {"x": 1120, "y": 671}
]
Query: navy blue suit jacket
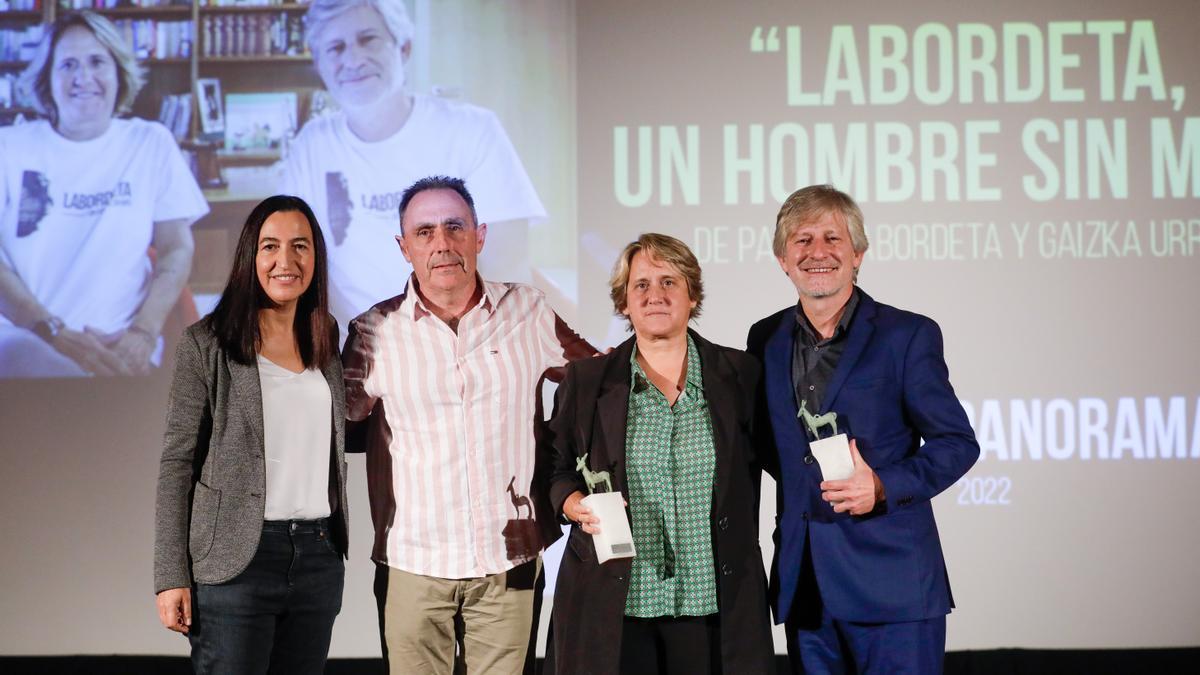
[{"x": 891, "y": 391}]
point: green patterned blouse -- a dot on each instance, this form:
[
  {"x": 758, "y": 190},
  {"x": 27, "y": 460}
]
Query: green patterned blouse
[{"x": 670, "y": 463}]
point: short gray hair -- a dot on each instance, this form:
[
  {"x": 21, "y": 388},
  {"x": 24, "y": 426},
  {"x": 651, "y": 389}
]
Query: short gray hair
[
  {"x": 393, "y": 12},
  {"x": 438, "y": 183},
  {"x": 34, "y": 84},
  {"x": 808, "y": 204}
]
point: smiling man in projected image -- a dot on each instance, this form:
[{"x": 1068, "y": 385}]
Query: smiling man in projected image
[
  {"x": 352, "y": 165},
  {"x": 858, "y": 577}
]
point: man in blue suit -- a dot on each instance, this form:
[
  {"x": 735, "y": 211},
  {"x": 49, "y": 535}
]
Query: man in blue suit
[{"x": 858, "y": 577}]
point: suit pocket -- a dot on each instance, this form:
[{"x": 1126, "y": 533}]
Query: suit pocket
[
  {"x": 867, "y": 383},
  {"x": 206, "y": 503}
]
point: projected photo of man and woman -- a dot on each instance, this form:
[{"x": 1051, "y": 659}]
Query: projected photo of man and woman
[{"x": 98, "y": 207}]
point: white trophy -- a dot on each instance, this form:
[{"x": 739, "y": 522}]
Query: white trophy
[
  {"x": 615, "y": 540},
  {"x": 832, "y": 453}
]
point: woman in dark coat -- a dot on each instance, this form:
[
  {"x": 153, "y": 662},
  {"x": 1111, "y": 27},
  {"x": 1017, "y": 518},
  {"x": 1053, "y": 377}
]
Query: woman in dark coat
[{"x": 668, "y": 415}]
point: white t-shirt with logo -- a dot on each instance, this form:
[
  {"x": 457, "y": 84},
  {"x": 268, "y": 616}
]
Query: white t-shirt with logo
[
  {"x": 354, "y": 188},
  {"x": 77, "y": 217}
]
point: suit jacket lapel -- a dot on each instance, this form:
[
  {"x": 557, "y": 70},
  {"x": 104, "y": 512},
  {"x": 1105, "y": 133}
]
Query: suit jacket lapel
[
  {"x": 778, "y": 365},
  {"x": 860, "y": 330},
  {"x": 249, "y": 392},
  {"x": 781, "y": 393}
]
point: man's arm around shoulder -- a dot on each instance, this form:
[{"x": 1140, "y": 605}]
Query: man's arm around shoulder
[{"x": 357, "y": 366}]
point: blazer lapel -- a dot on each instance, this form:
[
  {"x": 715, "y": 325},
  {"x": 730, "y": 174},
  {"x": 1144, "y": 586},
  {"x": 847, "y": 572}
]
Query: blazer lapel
[
  {"x": 249, "y": 396},
  {"x": 606, "y": 451},
  {"x": 861, "y": 328},
  {"x": 720, "y": 391},
  {"x": 333, "y": 376}
]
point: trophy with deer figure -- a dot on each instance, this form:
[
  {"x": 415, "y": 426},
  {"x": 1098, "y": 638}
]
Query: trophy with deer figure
[
  {"x": 615, "y": 539},
  {"x": 833, "y": 451}
]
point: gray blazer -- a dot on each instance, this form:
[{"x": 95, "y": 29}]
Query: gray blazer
[{"x": 212, "y": 477}]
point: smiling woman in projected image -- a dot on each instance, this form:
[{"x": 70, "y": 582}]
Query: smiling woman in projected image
[
  {"x": 668, "y": 415},
  {"x": 251, "y": 522},
  {"x": 353, "y": 166},
  {"x": 95, "y": 214}
]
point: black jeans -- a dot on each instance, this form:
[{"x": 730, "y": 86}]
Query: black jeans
[
  {"x": 276, "y": 616},
  {"x": 688, "y": 645}
]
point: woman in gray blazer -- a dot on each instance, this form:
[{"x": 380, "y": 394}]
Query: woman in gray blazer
[{"x": 251, "y": 523}]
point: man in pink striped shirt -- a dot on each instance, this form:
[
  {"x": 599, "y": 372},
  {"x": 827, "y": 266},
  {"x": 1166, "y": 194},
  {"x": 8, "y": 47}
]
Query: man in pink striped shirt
[{"x": 445, "y": 376}]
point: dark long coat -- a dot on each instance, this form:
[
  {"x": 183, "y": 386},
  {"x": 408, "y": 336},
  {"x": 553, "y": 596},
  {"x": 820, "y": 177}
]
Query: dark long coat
[{"x": 589, "y": 600}]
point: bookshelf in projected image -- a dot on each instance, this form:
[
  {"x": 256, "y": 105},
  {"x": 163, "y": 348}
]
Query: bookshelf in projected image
[
  {"x": 266, "y": 74},
  {"x": 20, "y": 31}
]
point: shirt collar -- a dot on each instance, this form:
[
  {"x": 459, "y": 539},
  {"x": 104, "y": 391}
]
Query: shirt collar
[
  {"x": 806, "y": 329},
  {"x": 693, "y": 380},
  {"x": 492, "y": 293}
]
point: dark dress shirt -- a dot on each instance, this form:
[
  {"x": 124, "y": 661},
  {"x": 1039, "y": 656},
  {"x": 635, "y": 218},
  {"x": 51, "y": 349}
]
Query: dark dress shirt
[{"x": 815, "y": 358}]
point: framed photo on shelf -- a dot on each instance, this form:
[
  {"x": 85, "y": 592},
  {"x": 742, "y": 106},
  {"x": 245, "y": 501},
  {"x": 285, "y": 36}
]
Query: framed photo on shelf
[
  {"x": 212, "y": 112},
  {"x": 260, "y": 122}
]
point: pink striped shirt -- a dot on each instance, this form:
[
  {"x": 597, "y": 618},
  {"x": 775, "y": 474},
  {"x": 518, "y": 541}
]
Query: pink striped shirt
[{"x": 452, "y": 422}]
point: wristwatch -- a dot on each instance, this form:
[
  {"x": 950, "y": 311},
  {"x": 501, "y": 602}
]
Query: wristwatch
[{"x": 48, "y": 328}]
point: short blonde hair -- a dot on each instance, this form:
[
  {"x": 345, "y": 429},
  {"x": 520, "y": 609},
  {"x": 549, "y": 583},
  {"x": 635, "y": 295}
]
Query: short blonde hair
[
  {"x": 808, "y": 204},
  {"x": 664, "y": 248},
  {"x": 34, "y": 83}
]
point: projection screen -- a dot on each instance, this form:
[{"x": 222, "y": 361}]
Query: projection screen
[{"x": 1030, "y": 178}]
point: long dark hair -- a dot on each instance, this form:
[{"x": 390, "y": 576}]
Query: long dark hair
[{"x": 235, "y": 319}]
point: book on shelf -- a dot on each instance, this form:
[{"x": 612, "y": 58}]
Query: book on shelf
[
  {"x": 8, "y": 88},
  {"x": 176, "y": 114},
  {"x": 122, "y": 4},
  {"x": 17, "y": 44},
  {"x": 20, "y": 5},
  {"x": 251, "y": 3},
  {"x": 265, "y": 34},
  {"x": 152, "y": 39}
]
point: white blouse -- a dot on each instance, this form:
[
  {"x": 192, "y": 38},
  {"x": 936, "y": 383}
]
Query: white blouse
[{"x": 297, "y": 428}]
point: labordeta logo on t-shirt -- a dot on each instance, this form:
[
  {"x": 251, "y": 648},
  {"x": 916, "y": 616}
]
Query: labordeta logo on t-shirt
[
  {"x": 340, "y": 202},
  {"x": 385, "y": 202},
  {"x": 91, "y": 204},
  {"x": 35, "y": 202},
  {"x": 337, "y": 194}
]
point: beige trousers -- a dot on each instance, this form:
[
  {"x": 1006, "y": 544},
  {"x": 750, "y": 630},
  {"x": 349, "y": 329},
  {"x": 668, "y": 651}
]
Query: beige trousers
[{"x": 488, "y": 618}]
